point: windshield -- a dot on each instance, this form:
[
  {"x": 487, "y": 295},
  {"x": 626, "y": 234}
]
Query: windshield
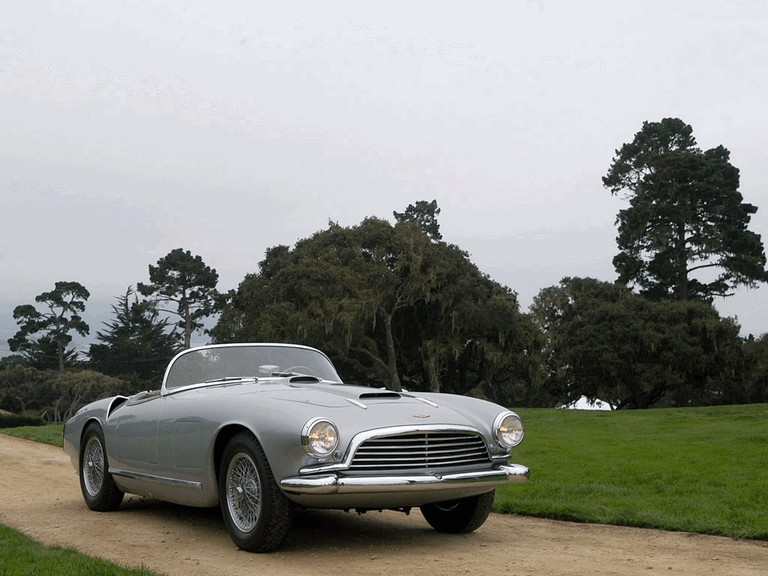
[{"x": 217, "y": 363}]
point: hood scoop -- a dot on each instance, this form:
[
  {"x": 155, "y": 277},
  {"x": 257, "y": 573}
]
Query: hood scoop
[
  {"x": 384, "y": 395},
  {"x": 304, "y": 380}
]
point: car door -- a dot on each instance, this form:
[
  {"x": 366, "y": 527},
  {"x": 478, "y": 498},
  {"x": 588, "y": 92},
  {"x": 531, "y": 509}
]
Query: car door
[
  {"x": 181, "y": 447},
  {"x": 135, "y": 434}
]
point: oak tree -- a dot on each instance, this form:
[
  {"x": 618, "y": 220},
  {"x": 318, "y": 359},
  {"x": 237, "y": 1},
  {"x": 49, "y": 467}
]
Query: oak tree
[
  {"x": 391, "y": 305},
  {"x": 606, "y": 343}
]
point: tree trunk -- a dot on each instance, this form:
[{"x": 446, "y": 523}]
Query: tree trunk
[
  {"x": 187, "y": 323},
  {"x": 60, "y": 354},
  {"x": 432, "y": 365},
  {"x": 394, "y": 378},
  {"x": 681, "y": 264}
]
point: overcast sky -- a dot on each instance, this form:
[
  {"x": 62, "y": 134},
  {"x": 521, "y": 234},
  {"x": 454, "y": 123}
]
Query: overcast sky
[{"x": 128, "y": 129}]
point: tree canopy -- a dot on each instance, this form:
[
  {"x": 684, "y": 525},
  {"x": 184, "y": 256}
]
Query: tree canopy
[
  {"x": 606, "y": 343},
  {"x": 424, "y": 214},
  {"x": 389, "y": 305},
  {"x": 684, "y": 235},
  {"x": 188, "y": 284},
  {"x": 136, "y": 343},
  {"x": 752, "y": 385},
  {"x": 43, "y": 337}
]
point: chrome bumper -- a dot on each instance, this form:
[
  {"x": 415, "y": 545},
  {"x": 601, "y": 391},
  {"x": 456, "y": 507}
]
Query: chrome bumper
[{"x": 336, "y": 484}]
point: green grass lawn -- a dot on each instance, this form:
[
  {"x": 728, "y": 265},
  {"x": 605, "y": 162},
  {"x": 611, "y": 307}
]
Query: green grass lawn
[
  {"x": 22, "y": 556},
  {"x": 692, "y": 469},
  {"x": 52, "y": 434}
]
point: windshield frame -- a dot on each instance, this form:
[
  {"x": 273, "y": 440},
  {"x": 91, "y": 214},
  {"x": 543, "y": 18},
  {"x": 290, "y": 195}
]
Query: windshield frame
[{"x": 219, "y": 364}]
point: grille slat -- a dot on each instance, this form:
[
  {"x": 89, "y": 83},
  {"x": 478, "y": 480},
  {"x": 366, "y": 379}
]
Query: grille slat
[
  {"x": 417, "y": 453},
  {"x": 422, "y": 450}
]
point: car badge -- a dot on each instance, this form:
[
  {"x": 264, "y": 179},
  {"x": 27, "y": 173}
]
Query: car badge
[{"x": 421, "y": 415}]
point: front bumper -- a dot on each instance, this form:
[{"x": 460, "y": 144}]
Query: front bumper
[{"x": 433, "y": 482}]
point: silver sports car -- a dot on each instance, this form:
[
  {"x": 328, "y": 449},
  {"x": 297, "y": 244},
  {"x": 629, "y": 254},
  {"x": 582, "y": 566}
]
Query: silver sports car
[{"x": 261, "y": 428}]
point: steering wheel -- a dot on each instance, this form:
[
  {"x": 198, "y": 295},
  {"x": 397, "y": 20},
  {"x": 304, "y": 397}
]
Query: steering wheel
[{"x": 300, "y": 370}]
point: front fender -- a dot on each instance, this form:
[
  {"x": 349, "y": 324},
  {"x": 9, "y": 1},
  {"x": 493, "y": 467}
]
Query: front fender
[{"x": 97, "y": 412}]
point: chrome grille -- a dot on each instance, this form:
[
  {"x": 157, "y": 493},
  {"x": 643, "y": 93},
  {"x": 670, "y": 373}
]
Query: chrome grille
[{"x": 420, "y": 450}]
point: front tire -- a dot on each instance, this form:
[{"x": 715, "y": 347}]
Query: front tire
[
  {"x": 459, "y": 516},
  {"x": 256, "y": 513},
  {"x": 96, "y": 483}
]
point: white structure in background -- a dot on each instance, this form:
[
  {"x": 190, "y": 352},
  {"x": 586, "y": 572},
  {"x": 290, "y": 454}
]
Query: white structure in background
[{"x": 584, "y": 403}]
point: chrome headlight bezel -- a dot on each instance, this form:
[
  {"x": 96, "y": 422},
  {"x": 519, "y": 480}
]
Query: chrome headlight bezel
[
  {"x": 320, "y": 437},
  {"x": 508, "y": 430}
]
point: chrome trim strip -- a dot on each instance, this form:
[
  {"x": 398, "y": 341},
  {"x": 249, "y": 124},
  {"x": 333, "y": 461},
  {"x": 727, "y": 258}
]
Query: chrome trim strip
[
  {"x": 335, "y": 484},
  {"x": 209, "y": 384},
  {"x": 119, "y": 400},
  {"x": 162, "y": 479},
  {"x": 420, "y": 399},
  {"x": 357, "y": 403}
]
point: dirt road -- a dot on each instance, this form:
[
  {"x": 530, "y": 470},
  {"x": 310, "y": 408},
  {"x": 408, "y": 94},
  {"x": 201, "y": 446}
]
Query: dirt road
[{"x": 40, "y": 495}]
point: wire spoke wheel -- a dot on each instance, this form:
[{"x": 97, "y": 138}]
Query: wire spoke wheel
[
  {"x": 99, "y": 489},
  {"x": 244, "y": 497},
  {"x": 93, "y": 466},
  {"x": 256, "y": 512}
]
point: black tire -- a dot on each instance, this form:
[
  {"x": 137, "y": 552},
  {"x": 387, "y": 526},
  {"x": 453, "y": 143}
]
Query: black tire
[
  {"x": 256, "y": 513},
  {"x": 96, "y": 483},
  {"x": 459, "y": 516}
]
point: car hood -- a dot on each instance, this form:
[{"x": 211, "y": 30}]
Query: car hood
[{"x": 370, "y": 407}]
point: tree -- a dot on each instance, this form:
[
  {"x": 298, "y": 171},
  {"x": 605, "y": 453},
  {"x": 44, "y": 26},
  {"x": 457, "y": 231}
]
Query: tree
[
  {"x": 43, "y": 337},
  {"x": 424, "y": 214},
  {"x": 753, "y": 387},
  {"x": 186, "y": 282},
  {"x": 137, "y": 343},
  {"x": 606, "y": 343},
  {"x": 74, "y": 389},
  {"x": 56, "y": 396},
  {"x": 390, "y": 306},
  {"x": 340, "y": 290},
  {"x": 24, "y": 388},
  {"x": 684, "y": 235}
]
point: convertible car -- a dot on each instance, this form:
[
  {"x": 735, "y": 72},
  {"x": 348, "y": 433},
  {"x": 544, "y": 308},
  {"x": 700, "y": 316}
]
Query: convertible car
[{"x": 259, "y": 429}]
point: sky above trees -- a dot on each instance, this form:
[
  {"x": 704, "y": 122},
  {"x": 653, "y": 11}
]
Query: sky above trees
[{"x": 131, "y": 130}]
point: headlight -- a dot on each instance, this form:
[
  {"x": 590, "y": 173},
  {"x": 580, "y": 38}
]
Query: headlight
[
  {"x": 320, "y": 437},
  {"x": 508, "y": 429}
]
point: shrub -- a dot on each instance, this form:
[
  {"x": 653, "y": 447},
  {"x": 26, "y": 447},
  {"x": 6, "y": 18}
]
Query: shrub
[{"x": 15, "y": 420}]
